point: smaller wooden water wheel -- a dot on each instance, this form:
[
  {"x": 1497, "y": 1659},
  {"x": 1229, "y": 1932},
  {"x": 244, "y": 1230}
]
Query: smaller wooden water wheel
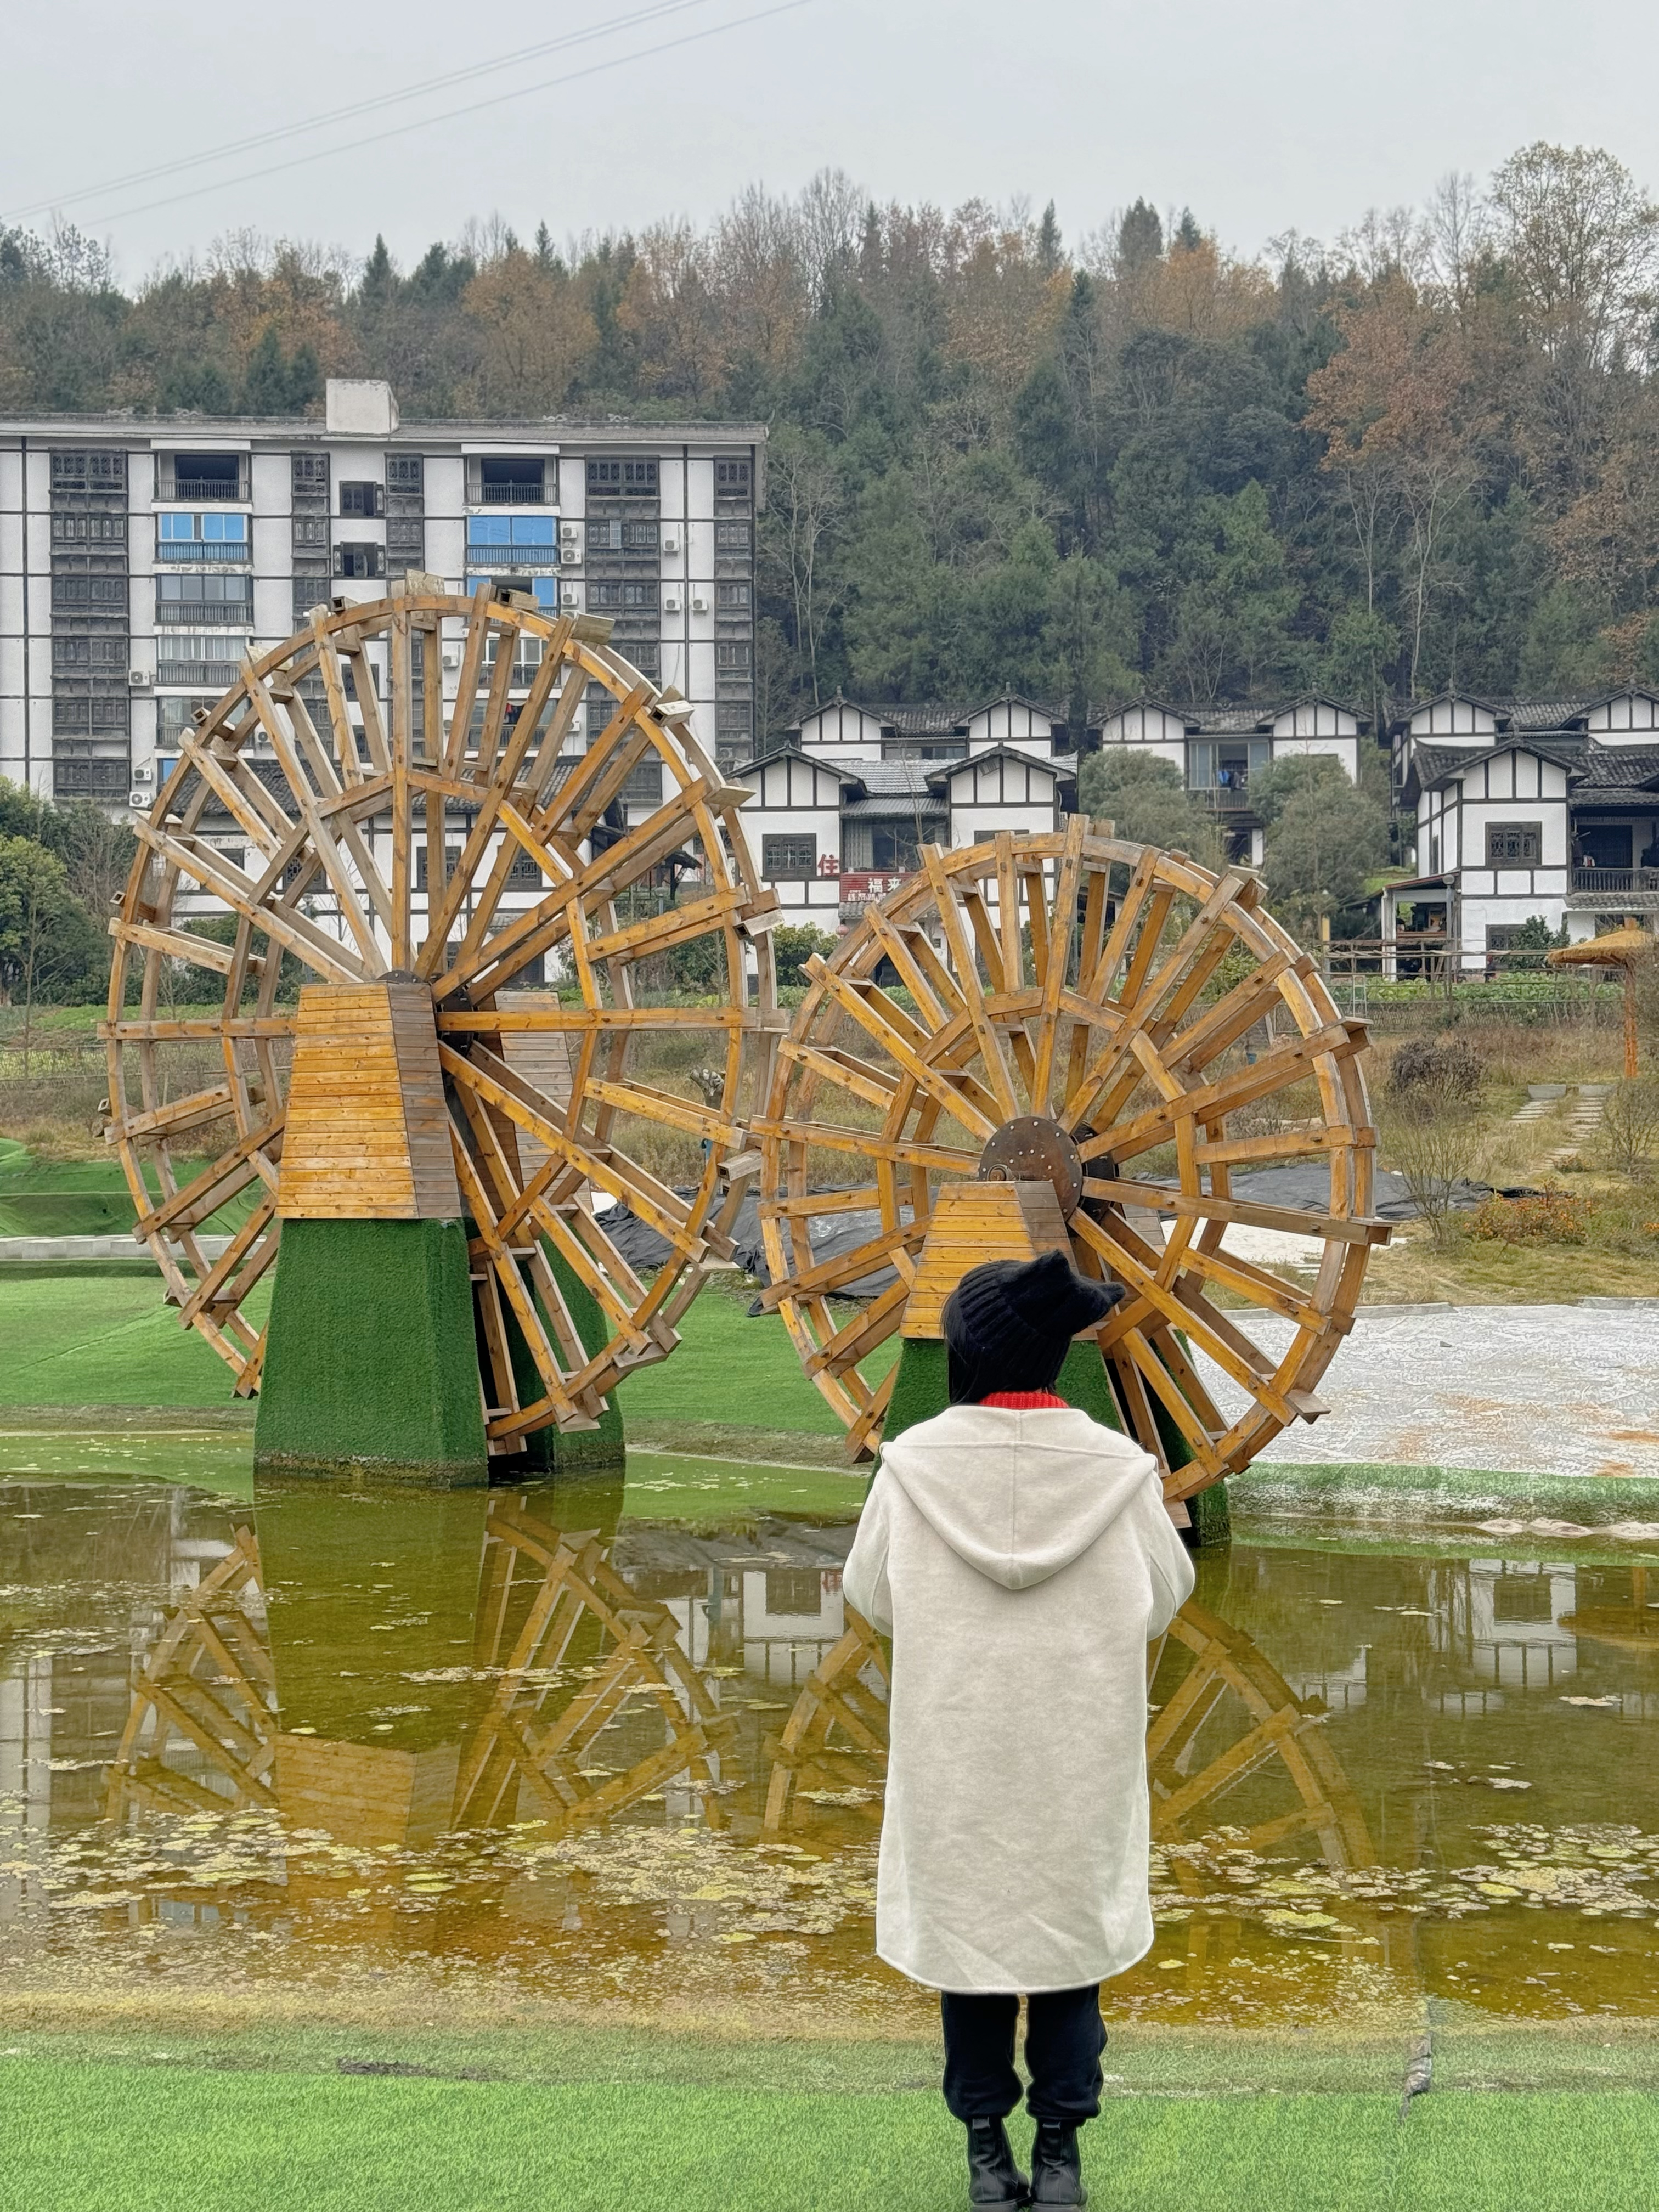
[
  {"x": 370, "y": 844},
  {"x": 1115, "y": 1024},
  {"x": 834, "y": 1744}
]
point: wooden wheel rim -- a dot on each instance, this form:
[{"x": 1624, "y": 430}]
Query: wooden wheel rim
[
  {"x": 338, "y": 763},
  {"x": 1114, "y": 989}
]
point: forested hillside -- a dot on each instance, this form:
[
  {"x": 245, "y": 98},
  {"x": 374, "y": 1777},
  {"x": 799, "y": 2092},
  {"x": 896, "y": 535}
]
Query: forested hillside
[{"x": 1427, "y": 453}]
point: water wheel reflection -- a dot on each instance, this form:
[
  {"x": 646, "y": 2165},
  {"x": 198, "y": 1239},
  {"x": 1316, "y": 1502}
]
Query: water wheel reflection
[
  {"x": 1201, "y": 1748},
  {"x": 199, "y": 1734},
  {"x": 833, "y": 1748},
  {"x": 572, "y": 1615}
]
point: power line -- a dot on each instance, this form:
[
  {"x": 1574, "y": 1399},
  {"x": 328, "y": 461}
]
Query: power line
[
  {"x": 247, "y": 144},
  {"x": 447, "y": 115}
]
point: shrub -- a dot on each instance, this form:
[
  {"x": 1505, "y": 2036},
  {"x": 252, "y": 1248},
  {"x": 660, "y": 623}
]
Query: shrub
[
  {"x": 1548, "y": 1217},
  {"x": 1630, "y": 1127},
  {"x": 1436, "y": 1069}
]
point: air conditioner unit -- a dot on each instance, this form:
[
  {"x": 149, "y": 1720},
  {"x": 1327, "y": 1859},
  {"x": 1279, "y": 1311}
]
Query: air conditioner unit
[
  {"x": 670, "y": 603},
  {"x": 699, "y": 604},
  {"x": 140, "y": 679},
  {"x": 570, "y": 553},
  {"x": 138, "y": 800},
  {"x": 568, "y": 529},
  {"x": 671, "y": 541},
  {"x": 451, "y": 659},
  {"x": 143, "y": 772},
  {"x": 570, "y": 595}
]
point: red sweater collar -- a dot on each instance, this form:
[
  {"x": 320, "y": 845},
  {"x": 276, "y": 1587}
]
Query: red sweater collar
[{"x": 1023, "y": 1402}]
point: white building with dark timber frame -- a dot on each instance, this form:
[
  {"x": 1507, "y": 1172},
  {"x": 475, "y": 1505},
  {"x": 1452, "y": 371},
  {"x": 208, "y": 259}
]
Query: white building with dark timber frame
[
  {"x": 842, "y": 809},
  {"x": 1526, "y": 810}
]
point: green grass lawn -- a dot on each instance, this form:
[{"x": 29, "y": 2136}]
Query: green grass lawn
[{"x": 113, "y": 2137}]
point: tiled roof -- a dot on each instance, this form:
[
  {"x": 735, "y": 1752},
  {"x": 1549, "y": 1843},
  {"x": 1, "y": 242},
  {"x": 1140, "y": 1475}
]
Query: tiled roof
[{"x": 1623, "y": 766}]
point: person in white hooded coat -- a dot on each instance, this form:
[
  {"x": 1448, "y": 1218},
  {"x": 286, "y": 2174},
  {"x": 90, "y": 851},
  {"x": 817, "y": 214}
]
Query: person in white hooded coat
[{"x": 1020, "y": 1557}]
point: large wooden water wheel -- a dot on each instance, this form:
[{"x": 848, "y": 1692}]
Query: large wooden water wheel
[
  {"x": 428, "y": 799},
  {"x": 1119, "y": 1022}
]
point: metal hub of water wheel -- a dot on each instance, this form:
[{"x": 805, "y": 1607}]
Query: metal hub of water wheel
[
  {"x": 1034, "y": 1148},
  {"x": 447, "y": 793}
]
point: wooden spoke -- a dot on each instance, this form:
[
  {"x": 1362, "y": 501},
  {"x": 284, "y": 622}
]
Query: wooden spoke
[
  {"x": 360, "y": 812},
  {"x": 1168, "y": 1027}
]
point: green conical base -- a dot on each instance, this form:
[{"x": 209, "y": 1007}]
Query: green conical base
[{"x": 369, "y": 1360}]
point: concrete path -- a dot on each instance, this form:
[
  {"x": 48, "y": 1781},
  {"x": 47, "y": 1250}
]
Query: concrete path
[
  {"x": 32, "y": 1249},
  {"x": 1509, "y": 1389}
]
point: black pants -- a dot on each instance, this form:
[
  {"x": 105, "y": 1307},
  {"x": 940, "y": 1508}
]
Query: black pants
[{"x": 1064, "y": 2039}]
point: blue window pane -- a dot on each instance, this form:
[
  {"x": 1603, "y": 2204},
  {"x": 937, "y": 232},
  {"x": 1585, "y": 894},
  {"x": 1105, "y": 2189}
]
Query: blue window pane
[
  {"x": 488, "y": 529},
  {"x": 546, "y": 589},
  {"x": 532, "y": 529},
  {"x": 221, "y": 528},
  {"x": 178, "y": 526}
]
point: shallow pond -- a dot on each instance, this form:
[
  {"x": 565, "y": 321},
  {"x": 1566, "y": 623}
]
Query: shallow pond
[{"x": 547, "y": 1743}]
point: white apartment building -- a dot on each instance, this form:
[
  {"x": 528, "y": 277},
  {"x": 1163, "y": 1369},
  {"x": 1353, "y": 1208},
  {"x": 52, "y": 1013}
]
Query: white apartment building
[{"x": 141, "y": 560}]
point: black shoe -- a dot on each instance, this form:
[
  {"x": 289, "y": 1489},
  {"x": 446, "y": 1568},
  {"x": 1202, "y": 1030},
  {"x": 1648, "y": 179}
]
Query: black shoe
[
  {"x": 995, "y": 2184},
  {"x": 1056, "y": 2169}
]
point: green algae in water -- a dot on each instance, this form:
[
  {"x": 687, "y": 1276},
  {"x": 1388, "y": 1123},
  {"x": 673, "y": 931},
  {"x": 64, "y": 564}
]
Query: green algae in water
[{"x": 564, "y": 1744}]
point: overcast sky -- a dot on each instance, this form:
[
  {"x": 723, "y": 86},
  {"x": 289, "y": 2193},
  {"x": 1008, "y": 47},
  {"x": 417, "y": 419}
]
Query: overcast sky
[{"x": 1264, "y": 116}]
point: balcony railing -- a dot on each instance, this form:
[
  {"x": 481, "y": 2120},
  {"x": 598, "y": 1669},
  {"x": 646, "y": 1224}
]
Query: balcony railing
[
  {"x": 212, "y": 675},
  {"x": 236, "y": 550},
  {"x": 531, "y": 492},
  {"x": 1225, "y": 798},
  {"x": 1616, "y": 879},
  {"x": 213, "y": 489}
]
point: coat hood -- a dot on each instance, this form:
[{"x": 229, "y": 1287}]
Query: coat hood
[{"x": 1017, "y": 1495}]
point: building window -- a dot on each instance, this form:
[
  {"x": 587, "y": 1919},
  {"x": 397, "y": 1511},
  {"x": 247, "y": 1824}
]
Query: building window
[
  {"x": 311, "y": 530},
  {"x": 174, "y": 716},
  {"x": 642, "y": 785},
  {"x": 609, "y": 597},
  {"x": 406, "y": 472},
  {"x": 622, "y": 479},
  {"x": 89, "y": 656},
  {"x": 78, "y": 716},
  {"x": 202, "y": 537},
  {"x": 1605, "y": 845},
  {"x": 202, "y": 476},
  {"x": 90, "y": 595},
  {"x": 733, "y": 656},
  {"x": 789, "y": 860},
  {"x": 311, "y": 476},
  {"x": 88, "y": 530},
  {"x": 85, "y": 776},
  {"x": 363, "y": 499},
  {"x": 1515, "y": 844},
  {"x": 730, "y": 536},
  {"x": 526, "y": 537},
  {"x": 733, "y": 479},
  {"x": 204, "y": 600},
  {"x": 452, "y": 861},
  {"x": 733, "y": 598},
  {"x": 359, "y": 559},
  {"x": 194, "y": 659},
  {"x": 405, "y": 542},
  {"x": 88, "y": 471},
  {"x": 507, "y": 480}
]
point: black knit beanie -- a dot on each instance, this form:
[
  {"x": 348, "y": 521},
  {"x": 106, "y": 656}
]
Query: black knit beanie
[{"x": 1009, "y": 1324}]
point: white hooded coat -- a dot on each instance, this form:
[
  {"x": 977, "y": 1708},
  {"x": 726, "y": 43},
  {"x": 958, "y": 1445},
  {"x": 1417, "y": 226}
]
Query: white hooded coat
[{"x": 1021, "y": 1561}]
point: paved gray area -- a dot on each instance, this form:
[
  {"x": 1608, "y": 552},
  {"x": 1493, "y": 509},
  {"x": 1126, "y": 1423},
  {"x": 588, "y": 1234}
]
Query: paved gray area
[
  {"x": 1510, "y": 1389},
  {"x": 35, "y": 1248}
]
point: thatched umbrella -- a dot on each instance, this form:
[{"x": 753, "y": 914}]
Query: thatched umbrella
[{"x": 1626, "y": 949}]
